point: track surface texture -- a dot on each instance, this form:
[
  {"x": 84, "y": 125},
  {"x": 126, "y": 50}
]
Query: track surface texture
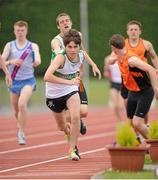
[{"x": 45, "y": 154}]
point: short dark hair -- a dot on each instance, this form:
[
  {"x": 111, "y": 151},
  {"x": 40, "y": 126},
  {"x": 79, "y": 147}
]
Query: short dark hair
[
  {"x": 118, "y": 41},
  {"x": 72, "y": 35},
  {"x": 134, "y": 22}
]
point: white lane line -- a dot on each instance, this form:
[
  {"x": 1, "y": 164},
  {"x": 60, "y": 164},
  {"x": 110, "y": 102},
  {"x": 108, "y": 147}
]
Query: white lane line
[
  {"x": 48, "y": 161},
  {"x": 42, "y": 134},
  {"x": 58, "y": 143},
  {"x": 31, "y": 136}
]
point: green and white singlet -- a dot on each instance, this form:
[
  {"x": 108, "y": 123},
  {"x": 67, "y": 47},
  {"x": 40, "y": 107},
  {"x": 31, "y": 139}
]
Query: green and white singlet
[{"x": 69, "y": 71}]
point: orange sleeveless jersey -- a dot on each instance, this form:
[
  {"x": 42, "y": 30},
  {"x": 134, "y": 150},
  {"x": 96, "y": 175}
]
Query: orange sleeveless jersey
[
  {"x": 139, "y": 50},
  {"x": 129, "y": 77}
]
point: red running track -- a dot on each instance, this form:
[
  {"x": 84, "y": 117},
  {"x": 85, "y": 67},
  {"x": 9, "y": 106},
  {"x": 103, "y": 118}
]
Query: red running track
[{"x": 45, "y": 155}]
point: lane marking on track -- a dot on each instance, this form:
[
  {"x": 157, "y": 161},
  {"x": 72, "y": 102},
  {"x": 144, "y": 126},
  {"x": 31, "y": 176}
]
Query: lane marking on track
[
  {"x": 57, "y": 143},
  {"x": 40, "y": 134},
  {"x": 31, "y": 136},
  {"x": 48, "y": 161}
]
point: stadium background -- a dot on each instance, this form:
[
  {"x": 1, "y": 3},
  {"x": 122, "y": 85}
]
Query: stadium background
[{"x": 105, "y": 17}]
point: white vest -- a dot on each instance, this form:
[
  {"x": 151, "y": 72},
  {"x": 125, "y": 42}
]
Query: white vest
[
  {"x": 26, "y": 69},
  {"x": 69, "y": 71},
  {"x": 115, "y": 74}
]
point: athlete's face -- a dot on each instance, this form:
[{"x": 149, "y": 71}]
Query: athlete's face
[
  {"x": 118, "y": 54},
  {"x": 64, "y": 24},
  {"x": 72, "y": 50},
  {"x": 116, "y": 51},
  {"x": 20, "y": 32},
  {"x": 133, "y": 31}
]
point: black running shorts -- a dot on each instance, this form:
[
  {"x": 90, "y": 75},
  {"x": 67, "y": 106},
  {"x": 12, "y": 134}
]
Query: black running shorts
[{"x": 139, "y": 103}]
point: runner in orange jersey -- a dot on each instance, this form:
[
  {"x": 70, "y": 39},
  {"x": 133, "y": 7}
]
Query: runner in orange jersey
[
  {"x": 141, "y": 47},
  {"x": 139, "y": 78}
]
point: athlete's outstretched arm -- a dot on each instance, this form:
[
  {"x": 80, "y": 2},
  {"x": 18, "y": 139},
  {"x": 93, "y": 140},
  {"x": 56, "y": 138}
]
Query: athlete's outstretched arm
[
  {"x": 7, "y": 75},
  {"x": 138, "y": 63},
  {"x": 56, "y": 64},
  {"x": 95, "y": 69}
]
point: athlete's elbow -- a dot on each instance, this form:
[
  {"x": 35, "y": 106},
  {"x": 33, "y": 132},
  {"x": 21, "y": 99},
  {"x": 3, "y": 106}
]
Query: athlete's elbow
[
  {"x": 36, "y": 63},
  {"x": 151, "y": 70}
]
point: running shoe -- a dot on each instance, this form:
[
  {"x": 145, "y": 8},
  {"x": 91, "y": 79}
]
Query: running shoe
[
  {"x": 77, "y": 152},
  {"x": 73, "y": 156},
  {"x": 21, "y": 138},
  {"x": 138, "y": 139},
  {"x": 83, "y": 128}
]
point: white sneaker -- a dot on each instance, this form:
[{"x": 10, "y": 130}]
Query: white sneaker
[
  {"x": 73, "y": 155},
  {"x": 21, "y": 138},
  {"x": 140, "y": 139}
]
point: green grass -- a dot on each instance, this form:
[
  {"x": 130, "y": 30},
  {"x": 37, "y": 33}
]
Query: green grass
[
  {"x": 126, "y": 175},
  {"x": 98, "y": 93},
  {"x": 97, "y": 90}
]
